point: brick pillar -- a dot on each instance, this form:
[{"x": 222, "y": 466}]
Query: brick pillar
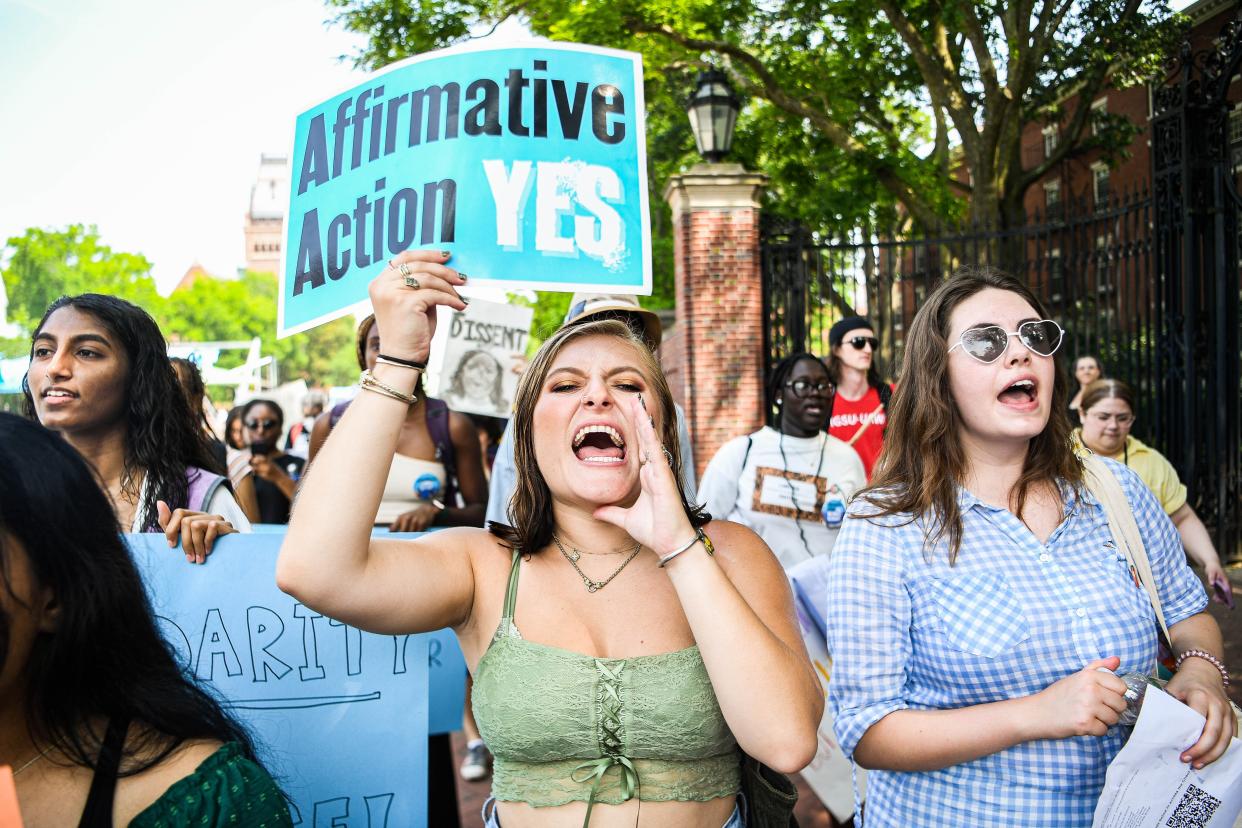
[{"x": 715, "y": 360}]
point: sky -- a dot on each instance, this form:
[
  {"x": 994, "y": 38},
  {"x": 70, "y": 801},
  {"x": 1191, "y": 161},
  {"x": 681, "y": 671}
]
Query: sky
[{"x": 148, "y": 117}]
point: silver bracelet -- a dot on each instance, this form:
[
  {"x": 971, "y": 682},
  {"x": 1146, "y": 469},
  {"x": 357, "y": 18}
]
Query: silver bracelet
[
  {"x": 698, "y": 536},
  {"x": 1206, "y": 656}
]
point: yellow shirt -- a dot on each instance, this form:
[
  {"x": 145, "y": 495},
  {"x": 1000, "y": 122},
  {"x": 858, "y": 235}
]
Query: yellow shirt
[{"x": 1151, "y": 467}]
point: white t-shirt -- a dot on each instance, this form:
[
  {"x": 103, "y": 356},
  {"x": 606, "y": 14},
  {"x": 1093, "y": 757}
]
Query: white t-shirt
[{"x": 777, "y": 495}]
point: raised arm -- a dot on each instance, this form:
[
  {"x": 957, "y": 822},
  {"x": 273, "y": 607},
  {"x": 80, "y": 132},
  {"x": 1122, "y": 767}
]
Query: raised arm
[{"x": 328, "y": 560}]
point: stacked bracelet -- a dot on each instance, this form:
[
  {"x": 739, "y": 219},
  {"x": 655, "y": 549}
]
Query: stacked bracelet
[
  {"x": 1209, "y": 658},
  {"x": 698, "y": 537},
  {"x": 368, "y": 382},
  {"x": 404, "y": 363}
]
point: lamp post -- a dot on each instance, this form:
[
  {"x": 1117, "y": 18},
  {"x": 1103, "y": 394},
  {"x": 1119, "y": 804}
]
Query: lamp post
[{"x": 713, "y": 114}]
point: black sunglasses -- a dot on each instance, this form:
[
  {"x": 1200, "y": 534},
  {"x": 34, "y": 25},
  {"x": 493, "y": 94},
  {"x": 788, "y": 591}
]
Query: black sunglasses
[
  {"x": 262, "y": 423},
  {"x": 860, "y": 342}
]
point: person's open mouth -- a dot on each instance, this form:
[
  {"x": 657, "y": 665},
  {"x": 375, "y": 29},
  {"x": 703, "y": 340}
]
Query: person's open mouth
[
  {"x": 599, "y": 444},
  {"x": 1020, "y": 394}
]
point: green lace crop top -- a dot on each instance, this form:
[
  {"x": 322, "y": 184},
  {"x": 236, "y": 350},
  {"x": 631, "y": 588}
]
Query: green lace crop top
[{"x": 567, "y": 727}]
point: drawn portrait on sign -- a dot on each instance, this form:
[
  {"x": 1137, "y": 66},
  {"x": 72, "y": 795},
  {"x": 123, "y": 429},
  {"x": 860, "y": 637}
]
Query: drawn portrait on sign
[
  {"x": 477, "y": 382},
  {"x": 474, "y": 358}
]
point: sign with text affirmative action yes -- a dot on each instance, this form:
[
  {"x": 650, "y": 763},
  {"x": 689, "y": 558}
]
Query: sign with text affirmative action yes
[
  {"x": 527, "y": 162},
  {"x": 340, "y": 715}
]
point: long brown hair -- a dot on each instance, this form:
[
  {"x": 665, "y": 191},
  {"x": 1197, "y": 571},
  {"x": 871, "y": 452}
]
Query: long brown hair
[
  {"x": 923, "y": 463},
  {"x": 530, "y": 510}
]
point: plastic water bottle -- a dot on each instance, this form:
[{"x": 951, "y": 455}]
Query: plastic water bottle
[
  {"x": 834, "y": 508},
  {"x": 1136, "y": 691}
]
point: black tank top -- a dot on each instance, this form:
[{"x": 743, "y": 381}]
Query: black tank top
[{"x": 98, "y": 810}]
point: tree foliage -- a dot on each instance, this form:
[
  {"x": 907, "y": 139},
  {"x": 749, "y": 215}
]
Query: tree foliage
[
  {"x": 42, "y": 265},
  {"x": 854, "y": 105}
]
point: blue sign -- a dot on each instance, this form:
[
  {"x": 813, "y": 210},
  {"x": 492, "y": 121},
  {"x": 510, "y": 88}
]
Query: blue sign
[
  {"x": 526, "y": 162},
  {"x": 341, "y": 715}
]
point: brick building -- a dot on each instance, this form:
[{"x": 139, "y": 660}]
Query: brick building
[
  {"x": 1084, "y": 178},
  {"x": 265, "y": 218}
]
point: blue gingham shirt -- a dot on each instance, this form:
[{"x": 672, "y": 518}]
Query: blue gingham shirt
[{"x": 1009, "y": 618}]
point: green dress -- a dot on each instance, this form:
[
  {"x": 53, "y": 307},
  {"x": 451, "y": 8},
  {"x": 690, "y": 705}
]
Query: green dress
[{"x": 226, "y": 789}]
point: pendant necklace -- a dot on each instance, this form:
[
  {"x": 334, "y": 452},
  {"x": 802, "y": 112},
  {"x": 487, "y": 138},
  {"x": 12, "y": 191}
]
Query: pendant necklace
[{"x": 594, "y": 586}]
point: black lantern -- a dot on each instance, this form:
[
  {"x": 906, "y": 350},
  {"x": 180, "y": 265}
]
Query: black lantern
[{"x": 713, "y": 113}]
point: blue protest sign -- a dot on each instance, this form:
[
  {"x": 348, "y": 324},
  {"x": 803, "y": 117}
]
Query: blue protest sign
[
  {"x": 527, "y": 162},
  {"x": 447, "y": 679},
  {"x": 341, "y": 714}
]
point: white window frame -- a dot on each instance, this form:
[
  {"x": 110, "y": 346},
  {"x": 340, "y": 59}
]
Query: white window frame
[
  {"x": 1098, "y": 106},
  {"x": 1096, "y": 169},
  {"x": 1052, "y": 134},
  {"x": 1050, "y": 187}
]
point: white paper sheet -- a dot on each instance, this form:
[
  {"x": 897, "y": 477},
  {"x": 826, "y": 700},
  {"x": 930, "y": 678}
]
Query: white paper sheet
[{"x": 1148, "y": 786}]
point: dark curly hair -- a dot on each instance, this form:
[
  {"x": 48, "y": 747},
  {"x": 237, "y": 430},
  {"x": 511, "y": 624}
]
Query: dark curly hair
[{"x": 162, "y": 435}]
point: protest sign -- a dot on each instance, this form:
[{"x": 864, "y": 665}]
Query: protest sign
[
  {"x": 828, "y": 774},
  {"x": 473, "y": 366},
  {"x": 341, "y": 715},
  {"x": 446, "y": 667},
  {"x": 527, "y": 162}
]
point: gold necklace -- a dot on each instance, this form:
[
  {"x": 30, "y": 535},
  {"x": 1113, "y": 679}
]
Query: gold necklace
[{"x": 594, "y": 586}]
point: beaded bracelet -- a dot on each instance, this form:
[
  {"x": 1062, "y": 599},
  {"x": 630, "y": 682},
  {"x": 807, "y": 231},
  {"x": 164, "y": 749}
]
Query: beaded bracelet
[
  {"x": 1209, "y": 658},
  {"x": 368, "y": 382},
  {"x": 698, "y": 536}
]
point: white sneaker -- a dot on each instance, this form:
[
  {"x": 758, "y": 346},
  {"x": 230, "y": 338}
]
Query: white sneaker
[{"x": 477, "y": 763}]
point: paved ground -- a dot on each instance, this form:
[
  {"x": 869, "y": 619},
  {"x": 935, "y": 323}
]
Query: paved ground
[{"x": 810, "y": 813}]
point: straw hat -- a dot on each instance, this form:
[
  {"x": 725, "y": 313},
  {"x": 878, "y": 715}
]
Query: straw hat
[{"x": 583, "y": 306}]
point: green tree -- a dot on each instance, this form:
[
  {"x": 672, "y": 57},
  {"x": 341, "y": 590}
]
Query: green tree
[
  {"x": 243, "y": 308},
  {"x": 42, "y": 265},
  {"x": 889, "y": 95}
]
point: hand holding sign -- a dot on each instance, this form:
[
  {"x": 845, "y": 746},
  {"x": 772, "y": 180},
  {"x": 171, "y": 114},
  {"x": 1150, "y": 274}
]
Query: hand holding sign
[{"x": 405, "y": 306}]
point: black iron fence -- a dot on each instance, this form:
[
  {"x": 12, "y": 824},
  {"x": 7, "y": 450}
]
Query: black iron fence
[{"x": 1091, "y": 266}]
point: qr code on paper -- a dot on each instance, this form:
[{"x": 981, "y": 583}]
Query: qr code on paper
[{"x": 1195, "y": 810}]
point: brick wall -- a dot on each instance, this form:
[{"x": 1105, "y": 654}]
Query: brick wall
[{"x": 715, "y": 357}]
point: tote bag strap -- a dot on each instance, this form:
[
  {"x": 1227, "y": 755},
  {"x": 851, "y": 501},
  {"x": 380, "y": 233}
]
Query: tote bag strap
[{"x": 1107, "y": 489}]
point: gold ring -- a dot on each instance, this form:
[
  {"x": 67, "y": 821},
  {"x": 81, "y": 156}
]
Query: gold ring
[
  {"x": 410, "y": 281},
  {"x": 404, "y": 269}
]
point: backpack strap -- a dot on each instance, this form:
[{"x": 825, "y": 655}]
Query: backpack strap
[
  {"x": 338, "y": 411},
  {"x": 886, "y": 393},
  {"x": 438, "y": 428},
  {"x": 1125, "y": 531},
  {"x": 202, "y": 486}
]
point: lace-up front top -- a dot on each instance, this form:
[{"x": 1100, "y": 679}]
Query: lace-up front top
[{"x": 567, "y": 727}]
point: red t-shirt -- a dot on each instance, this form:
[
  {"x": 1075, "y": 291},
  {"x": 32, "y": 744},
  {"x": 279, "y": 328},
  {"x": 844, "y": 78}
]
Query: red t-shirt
[{"x": 849, "y": 415}]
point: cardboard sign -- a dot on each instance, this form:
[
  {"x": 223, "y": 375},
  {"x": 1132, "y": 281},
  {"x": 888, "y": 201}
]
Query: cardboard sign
[
  {"x": 527, "y": 162},
  {"x": 474, "y": 369},
  {"x": 341, "y": 715}
]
